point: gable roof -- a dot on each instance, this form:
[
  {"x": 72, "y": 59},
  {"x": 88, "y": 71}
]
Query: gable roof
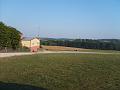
[{"x": 29, "y": 38}]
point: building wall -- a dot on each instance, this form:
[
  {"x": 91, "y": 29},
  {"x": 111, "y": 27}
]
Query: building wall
[
  {"x": 33, "y": 44},
  {"x": 34, "y": 48},
  {"x": 26, "y": 44}
]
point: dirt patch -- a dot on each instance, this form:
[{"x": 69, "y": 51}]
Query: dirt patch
[
  {"x": 14, "y": 54},
  {"x": 62, "y": 48}
]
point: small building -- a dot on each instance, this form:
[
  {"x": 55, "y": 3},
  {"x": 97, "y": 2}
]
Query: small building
[{"x": 32, "y": 43}]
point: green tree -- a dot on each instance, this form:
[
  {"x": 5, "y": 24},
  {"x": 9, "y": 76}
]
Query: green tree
[{"x": 9, "y": 37}]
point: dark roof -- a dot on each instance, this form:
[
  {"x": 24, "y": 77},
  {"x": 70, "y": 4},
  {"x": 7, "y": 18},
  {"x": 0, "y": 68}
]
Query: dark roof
[{"x": 28, "y": 38}]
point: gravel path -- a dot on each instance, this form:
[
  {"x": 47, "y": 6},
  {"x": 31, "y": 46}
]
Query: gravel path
[
  {"x": 46, "y": 52},
  {"x": 14, "y": 54}
]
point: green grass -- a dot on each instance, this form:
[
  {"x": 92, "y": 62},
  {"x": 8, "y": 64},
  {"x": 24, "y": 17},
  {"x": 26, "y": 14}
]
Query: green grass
[
  {"x": 101, "y": 51},
  {"x": 63, "y": 71}
]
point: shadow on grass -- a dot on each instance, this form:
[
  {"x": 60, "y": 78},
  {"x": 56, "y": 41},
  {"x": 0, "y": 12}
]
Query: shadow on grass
[{"x": 14, "y": 86}]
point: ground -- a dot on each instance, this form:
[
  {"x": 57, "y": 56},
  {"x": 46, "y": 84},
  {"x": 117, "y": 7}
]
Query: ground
[
  {"x": 68, "y": 71},
  {"x": 61, "y": 49}
]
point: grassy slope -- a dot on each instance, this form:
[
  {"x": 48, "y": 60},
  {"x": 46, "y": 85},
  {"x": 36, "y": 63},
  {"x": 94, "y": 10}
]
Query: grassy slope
[{"x": 63, "y": 71}]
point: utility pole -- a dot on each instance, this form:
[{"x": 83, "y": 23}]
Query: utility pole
[{"x": 38, "y": 33}]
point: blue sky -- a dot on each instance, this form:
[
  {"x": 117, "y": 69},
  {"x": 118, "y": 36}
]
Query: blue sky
[{"x": 63, "y": 18}]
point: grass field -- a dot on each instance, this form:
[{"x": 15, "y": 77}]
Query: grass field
[{"x": 61, "y": 72}]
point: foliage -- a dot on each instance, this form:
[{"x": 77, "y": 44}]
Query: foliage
[
  {"x": 102, "y": 44},
  {"x": 9, "y": 37}
]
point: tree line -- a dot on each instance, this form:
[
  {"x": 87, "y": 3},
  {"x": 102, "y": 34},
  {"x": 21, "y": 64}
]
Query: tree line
[
  {"x": 102, "y": 44},
  {"x": 9, "y": 37}
]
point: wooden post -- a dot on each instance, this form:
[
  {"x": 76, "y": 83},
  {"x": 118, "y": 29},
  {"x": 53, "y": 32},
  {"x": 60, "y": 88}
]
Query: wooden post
[{"x": 6, "y": 49}]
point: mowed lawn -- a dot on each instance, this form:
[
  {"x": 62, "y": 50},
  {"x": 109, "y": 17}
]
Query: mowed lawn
[{"x": 61, "y": 72}]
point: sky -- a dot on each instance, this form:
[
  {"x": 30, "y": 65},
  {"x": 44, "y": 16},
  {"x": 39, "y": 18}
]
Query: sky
[{"x": 91, "y": 19}]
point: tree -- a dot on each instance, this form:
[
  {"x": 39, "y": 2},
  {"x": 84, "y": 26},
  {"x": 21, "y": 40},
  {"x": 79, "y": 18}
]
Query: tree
[{"x": 9, "y": 37}]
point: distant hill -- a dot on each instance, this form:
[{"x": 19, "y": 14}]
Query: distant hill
[
  {"x": 62, "y": 39},
  {"x": 103, "y": 44}
]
